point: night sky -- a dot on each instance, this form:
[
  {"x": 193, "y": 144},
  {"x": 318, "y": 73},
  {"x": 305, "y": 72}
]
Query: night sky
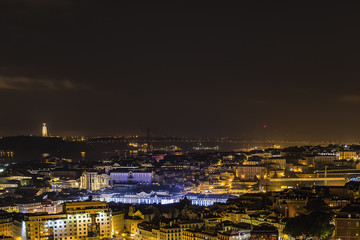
[{"x": 182, "y": 68}]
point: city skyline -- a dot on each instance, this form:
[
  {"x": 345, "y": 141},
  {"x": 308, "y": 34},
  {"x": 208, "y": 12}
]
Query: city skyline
[
  {"x": 179, "y": 120},
  {"x": 148, "y": 135},
  {"x": 181, "y": 68}
]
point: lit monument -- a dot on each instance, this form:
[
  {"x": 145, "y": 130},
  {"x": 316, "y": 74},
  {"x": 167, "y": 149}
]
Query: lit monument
[{"x": 44, "y": 131}]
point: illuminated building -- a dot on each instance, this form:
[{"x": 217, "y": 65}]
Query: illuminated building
[
  {"x": 8, "y": 185},
  {"x": 278, "y": 184},
  {"x": 145, "y": 231},
  {"x": 9, "y": 208},
  {"x": 208, "y": 199},
  {"x": 6, "y": 156},
  {"x": 6, "y": 225},
  {"x": 159, "y": 197},
  {"x": 346, "y": 155},
  {"x": 132, "y": 221},
  {"x": 20, "y": 178},
  {"x": 170, "y": 232},
  {"x": 44, "y": 131},
  {"x": 281, "y": 162},
  {"x": 217, "y": 187},
  {"x": 83, "y": 154},
  {"x": 80, "y": 220},
  {"x": 347, "y": 223},
  {"x": 190, "y": 234},
  {"x": 51, "y": 161},
  {"x": 30, "y": 207},
  {"x": 198, "y": 234},
  {"x": 175, "y": 166},
  {"x": 53, "y": 207},
  {"x": 118, "y": 177},
  {"x": 297, "y": 201},
  {"x": 234, "y": 215},
  {"x": 186, "y": 224},
  {"x": 58, "y": 184},
  {"x": 233, "y": 235},
  {"x": 118, "y": 222},
  {"x": 46, "y": 226},
  {"x": 324, "y": 159},
  {"x": 97, "y": 213},
  {"x": 297, "y": 168},
  {"x": 94, "y": 181},
  {"x": 211, "y": 220},
  {"x": 264, "y": 232},
  {"x": 251, "y": 171},
  {"x": 264, "y": 218},
  {"x": 276, "y": 173}
]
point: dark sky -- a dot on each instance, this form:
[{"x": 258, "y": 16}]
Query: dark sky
[{"x": 183, "y": 68}]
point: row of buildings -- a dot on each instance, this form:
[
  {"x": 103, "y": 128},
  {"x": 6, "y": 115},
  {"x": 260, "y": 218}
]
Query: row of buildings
[
  {"x": 97, "y": 220},
  {"x": 250, "y": 216},
  {"x": 179, "y": 195}
]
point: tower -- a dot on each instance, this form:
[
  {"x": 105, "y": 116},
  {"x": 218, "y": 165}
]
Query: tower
[{"x": 44, "y": 132}]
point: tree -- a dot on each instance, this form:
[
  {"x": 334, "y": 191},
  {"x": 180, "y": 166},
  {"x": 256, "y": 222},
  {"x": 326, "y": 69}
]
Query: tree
[
  {"x": 316, "y": 224},
  {"x": 317, "y": 205}
]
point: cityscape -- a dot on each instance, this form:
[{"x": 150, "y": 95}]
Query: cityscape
[
  {"x": 143, "y": 188},
  {"x": 179, "y": 120}
]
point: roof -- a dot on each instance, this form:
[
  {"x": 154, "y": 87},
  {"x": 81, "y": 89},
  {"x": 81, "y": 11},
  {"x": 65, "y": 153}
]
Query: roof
[
  {"x": 230, "y": 233},
  {"x": 212, "y": 232},
  {"x": 265, "y": 228},
  {"x": 351, "y": 208}
]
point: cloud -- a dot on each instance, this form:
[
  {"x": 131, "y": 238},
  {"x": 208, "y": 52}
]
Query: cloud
[
  {"x": 350, "y": 98},
  {"x": 24, "y": 83}
]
